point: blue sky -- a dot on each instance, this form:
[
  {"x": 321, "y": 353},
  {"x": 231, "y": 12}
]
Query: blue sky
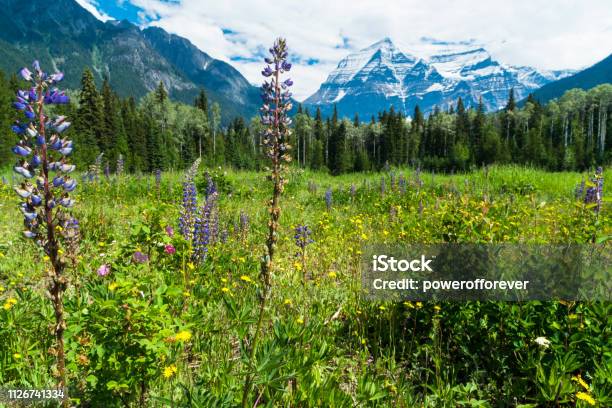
[{"x": 546, "y": 34}]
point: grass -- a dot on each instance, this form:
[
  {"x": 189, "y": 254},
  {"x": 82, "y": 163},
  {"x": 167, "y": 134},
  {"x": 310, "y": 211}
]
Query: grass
[{"x": 324, "y": 344}]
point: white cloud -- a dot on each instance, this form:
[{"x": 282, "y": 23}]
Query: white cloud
[
  {"x": 93, "y": 7},
  {"x": 541, "y": 33}
]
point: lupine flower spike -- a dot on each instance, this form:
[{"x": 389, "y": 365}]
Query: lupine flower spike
[
  {"x": 204, "y": 233},
  {"x": 302, "y": 240},
  {"x": 42, "y": 161},
  {"x": 274, "y": 117},
  {"x": 190, "y": 203},
  {"x": 594, "y": 193}
]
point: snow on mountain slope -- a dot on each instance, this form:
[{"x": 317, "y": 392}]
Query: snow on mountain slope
[{"x": 381, "y": 76}]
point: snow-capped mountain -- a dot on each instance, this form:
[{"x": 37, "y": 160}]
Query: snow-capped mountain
[{"x": 381, "y": 76}]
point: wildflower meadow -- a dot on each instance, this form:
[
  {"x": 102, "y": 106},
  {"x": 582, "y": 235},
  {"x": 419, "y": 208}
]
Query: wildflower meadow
[{"x": 212, "y": 286}]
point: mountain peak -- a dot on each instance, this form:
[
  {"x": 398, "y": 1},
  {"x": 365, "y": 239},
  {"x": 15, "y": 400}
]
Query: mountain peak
[
  {"x": 384, "y": 43},
  {"x": 381, "y": 75}
]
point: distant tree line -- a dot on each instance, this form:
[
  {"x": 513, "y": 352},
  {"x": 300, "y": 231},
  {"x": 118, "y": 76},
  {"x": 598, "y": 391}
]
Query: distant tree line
[
  {"x": 157, "y": 133},
  {"x": 567, "y": 134}
]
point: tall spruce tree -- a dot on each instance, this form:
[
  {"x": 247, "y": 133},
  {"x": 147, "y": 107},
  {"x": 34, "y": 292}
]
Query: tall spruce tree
[{"x": 88, "y": 122}]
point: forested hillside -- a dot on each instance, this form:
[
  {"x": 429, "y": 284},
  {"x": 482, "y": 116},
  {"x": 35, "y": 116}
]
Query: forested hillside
[{"x": 158, "y": 133}]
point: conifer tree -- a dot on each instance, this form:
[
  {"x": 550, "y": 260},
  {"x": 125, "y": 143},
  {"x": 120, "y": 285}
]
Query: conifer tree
[
  {"x": 88, "y": 121},
  {"x": 113, "y": 136}
]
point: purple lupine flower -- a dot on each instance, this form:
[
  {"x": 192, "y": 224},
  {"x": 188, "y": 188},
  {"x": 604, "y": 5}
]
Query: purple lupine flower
[
  {"x": 140, "y": 257},
  {"x": 211, "y": 188},
  {"x": 104, "y": 270},
  {"x": 169, "y": 231},
  {"x": 353, "y": 190},
  {"x": 302, "y": 236},
  {"x": 277, "y": 103},
  {"x": 107, "y": 171},
  {"x": 594, "y": 193},
  {"x": 189, "y": 205},
  {"x": 39, "y": 138},
  {"x": 579, "y": 190},
  {"x": 202, "y": 233},
  {"x": 188, "y": 210},
  {"x": 244, "y": 225},
  {"x": 402, "y": 184},
  {"x": 328, "y": 198},
  {"x": 158, "y": 175},
  {"x": 417, "y": 177}
]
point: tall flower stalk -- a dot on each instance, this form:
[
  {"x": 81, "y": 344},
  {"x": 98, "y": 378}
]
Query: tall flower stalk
[
  {"x": 190, "y": 202},
  {"x": 43, "y": 157},
  {"x": 274, "y": 116}
]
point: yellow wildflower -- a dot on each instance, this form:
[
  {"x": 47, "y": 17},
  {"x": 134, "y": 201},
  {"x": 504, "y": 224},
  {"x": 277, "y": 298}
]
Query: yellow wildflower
[
  {"x": 60, "y": 252},
  {"x": 364, "y": 236},
  {"x": 224, "y": 280},
  {"x": 288, "y": 302},
  {"x": 112, "y": 286},
  {"x": 1, "y": 288},
  {"x": 183, "y": 336},
  {"x": 579, "y": 380},
  {"x": 169, "y": 371},
  {"x": 16, "y": 356},
  {"x": 299, "y": 320},
  {"x": 419, "y": 305},
  {"x": 297, "y": 266},
  {"x": 246, "y": 278},
  {"x": 382, "y": 308},
  {"x": 363, "y": 341},
  {"x": 10, "y": 302},
  {"x": 1, "y": 255},
  {"x": 101, "y": 244},
  {"x": 332, "y": 275},
  {"x": 573, "y": 316},
  {"x": 186, "y": 294},
  {"x": 437, "y": 308},
  {"x": 191, "y": 266},
  {"x": 46, "y": 258},
  {"x": 409, "y": 304},
  {"x": 225, "y": 289},
  {"x": 585, "y": 397}
]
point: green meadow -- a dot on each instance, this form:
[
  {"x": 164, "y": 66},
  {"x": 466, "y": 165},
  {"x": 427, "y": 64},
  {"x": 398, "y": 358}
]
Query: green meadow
[{"x": 171, "y": 332}]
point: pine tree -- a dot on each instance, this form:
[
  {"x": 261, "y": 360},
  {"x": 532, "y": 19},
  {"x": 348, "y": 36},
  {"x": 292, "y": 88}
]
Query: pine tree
[
  {"x": 136, "y": 159},
  {"x": 478, "y": 134},
  {"x": 338, "y": 155},
  {"x": 201, "y": 102},
  {"x": 114, "y": 139},
  {"x": 317, "y": 159},
  {"x": 88, "y": 122}
]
